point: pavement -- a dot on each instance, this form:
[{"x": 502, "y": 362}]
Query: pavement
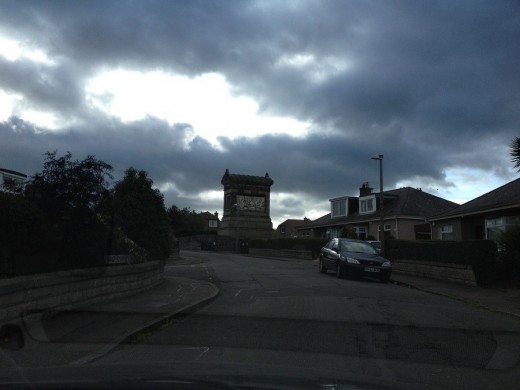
[
  {"x": 73, "y": 337},
  {"x": 141, "y": 313},
  {"x": 494, "y": 298},
  {"x": 500, "y": 299},
  {"x": 127, "y": 319}
]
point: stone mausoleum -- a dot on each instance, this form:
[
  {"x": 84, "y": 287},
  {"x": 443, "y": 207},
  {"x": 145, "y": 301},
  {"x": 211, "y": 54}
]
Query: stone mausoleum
[{"x": 246, "y": 206}]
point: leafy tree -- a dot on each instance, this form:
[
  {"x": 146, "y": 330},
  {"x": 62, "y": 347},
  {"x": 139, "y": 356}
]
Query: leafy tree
[
  {"x": 515, "y": 152},
  {"x": 183, "y": 221},
  {"x": 138, "y": 209},
  {"x": 67, "y": 191},
  {"x": 65, "y": 183}
]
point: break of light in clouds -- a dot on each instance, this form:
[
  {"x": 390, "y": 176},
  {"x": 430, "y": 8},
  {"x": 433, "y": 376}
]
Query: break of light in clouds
[
  {"x": 304, "y": 90},
  {"x": 204, "y": 102},
  {"x": 13, "y": 50}
]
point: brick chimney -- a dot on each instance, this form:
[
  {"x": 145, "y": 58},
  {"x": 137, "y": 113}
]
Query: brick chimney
[{"x": 365, "y": 190}]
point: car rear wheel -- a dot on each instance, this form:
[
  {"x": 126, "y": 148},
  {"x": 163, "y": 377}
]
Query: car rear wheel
[
  {"x": 339, "y": 270},
  {"x": 321, "y": 266}
]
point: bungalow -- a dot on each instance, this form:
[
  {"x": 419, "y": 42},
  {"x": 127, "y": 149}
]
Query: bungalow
[
  {"x": 481, "y": 218},
  {"x": 405, "y": 213},
  {"x": 288, "y": 228},
  {"x": 10, "y": 178},
  {"x": 211, "y": 221}
]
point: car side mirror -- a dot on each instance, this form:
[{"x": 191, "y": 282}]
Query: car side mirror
[{"x": 336, "y": 250}]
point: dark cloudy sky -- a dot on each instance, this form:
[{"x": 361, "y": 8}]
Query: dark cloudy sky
[{"x": 305, "y": 90}]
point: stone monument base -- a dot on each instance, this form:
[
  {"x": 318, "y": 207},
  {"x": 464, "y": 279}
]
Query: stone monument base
[{"x": 246, "y": 226}]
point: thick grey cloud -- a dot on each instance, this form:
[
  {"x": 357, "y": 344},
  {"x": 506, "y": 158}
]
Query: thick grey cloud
[
  {"x": 431, "y": 85},
  {"x": 46, "y": 87}
]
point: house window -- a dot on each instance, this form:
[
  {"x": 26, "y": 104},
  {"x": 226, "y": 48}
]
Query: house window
[
  {"x": 388, "y": 231},
  {"x": 333, "y": 233},
  {"x": 367, "y": 205},
  {"x": 361, "y": 232},
  {"x": 495, "y": 226},
  {"x": 282, "y": 229},
  {"x": 213, "y": 223},
  {"x": 446, "y": 232},
  {"x": 338, "y": 208}
]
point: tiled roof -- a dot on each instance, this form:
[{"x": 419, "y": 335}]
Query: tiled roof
[
  {"x": 321, "y": 221},
  {"x": 505, "y": 196},
  {"x": 208, "y": 215},
  {"x": 413, "y": 202},
  {"x": 403, "y": 202},
  {"x": 292, "y": 223}
]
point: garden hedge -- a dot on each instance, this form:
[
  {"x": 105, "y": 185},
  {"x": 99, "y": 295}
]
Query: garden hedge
[
  {"x": 310, "y": 244},
  {"x": 480, "y": 254}
]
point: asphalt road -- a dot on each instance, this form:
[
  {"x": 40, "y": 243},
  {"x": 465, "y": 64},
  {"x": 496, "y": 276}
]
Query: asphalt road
[{"x": 286, "y": 315}]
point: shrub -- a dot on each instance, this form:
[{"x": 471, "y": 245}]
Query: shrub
[
  {"x": 138, "y": 209},
  {"x": 20, "y": 234},
  {"x": 310, "y": 244},
  {"x": 31, "y": 241},
  {"x": 509, "y": 246},
  {"x": 119, "y": 244},
  {"x": 83, "y": 238}
]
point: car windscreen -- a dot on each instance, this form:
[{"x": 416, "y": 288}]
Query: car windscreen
[{"x": 357, "y": 247}]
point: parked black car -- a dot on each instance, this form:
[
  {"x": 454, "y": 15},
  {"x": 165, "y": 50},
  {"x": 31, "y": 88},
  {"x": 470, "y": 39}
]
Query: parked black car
[
  {"x": 354, "y": 258},
  {"x": 376, "y": 244}
]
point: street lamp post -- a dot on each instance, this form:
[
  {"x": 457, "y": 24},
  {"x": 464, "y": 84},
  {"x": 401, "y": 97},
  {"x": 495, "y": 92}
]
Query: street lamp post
[{"x": 381, "y": 202}]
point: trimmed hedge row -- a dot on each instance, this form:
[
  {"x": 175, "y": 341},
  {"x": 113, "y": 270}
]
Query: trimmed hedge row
[
  {"x": 509, "y": 245},
  {"x": 480, "y": 254},
  {"x": 32, "y": 241},
  {"x": 309, "y": 244},
  {"x": 188, "y": 233},
  {"x": 459, "y": 252}
]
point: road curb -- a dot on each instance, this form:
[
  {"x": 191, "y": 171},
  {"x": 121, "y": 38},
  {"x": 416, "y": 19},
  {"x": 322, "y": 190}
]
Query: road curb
[{"x": 151, "y": 325}]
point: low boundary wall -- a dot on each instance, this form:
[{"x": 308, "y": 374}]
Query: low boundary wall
[
  {"x": 458, "y": 273},
  {"x": 66, "y": 290}
]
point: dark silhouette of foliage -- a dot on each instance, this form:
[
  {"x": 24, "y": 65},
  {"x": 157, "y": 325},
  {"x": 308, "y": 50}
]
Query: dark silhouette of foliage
[
  {"x": 183, "y": 221},
  {"x": 65, "y": 183},
  {"x": 509, "y": 245},
  {"x": 515, "y": 153},
  {"x": 53, "y": 226},
  {"x": 138, "y": 209},
  {"x": 20, "y": 234}
]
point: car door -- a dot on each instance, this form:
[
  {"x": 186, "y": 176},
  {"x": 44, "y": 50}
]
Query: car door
[{"x": 331, "y": 254}]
